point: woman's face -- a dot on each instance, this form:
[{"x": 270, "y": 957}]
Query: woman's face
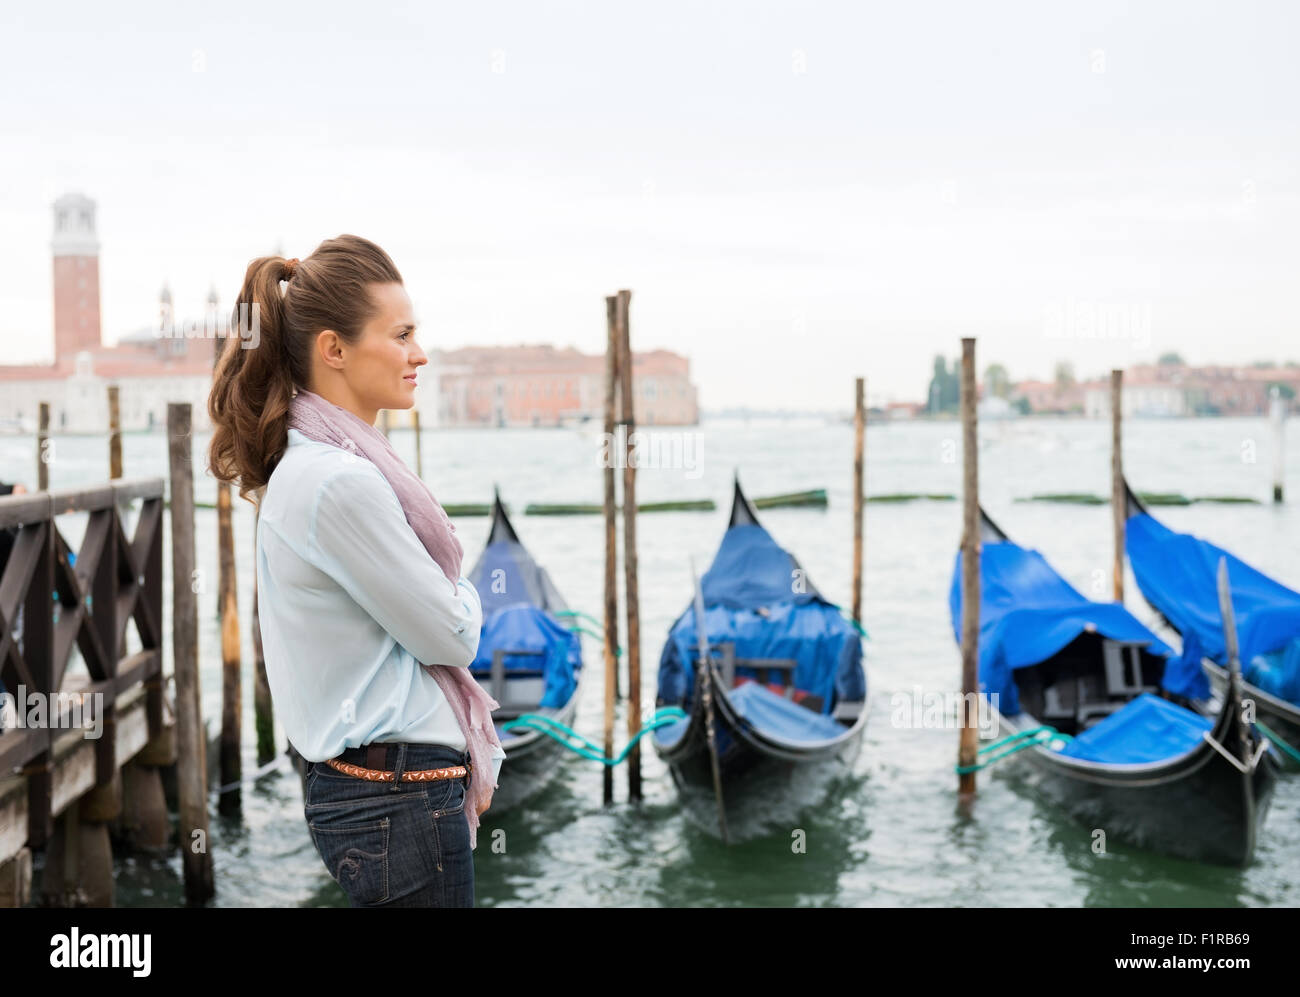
[{"x": 379, "y": 371}]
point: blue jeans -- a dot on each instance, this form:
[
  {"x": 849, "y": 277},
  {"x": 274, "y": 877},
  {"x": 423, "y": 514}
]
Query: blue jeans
[{"x": 394, "y": 844}]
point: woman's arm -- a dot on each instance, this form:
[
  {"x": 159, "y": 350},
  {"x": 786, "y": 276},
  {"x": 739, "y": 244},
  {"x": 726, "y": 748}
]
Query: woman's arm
[{"x": 361, "y": 538}]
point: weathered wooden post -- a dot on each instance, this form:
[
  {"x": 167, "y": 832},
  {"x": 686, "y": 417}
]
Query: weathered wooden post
[
  {"x": 970, "y": 573},
  {"x": 231, "y": 800},
  {"x": 859, "y": 496},
  {"x": 115, "y": 472},
  {"x": 16, "y": 880},
  {"x": 44, "y": 451},
  {"x": 611, "y": 540},
  {"x": 1277, "y": 411},
  {"x": 1118, "y": 505},
  {"x": 191, "y": 775},
  {"x": 114, "y": 434},
  {"x": 263, "y": 708},
  {"x": 419, "y": 457},
  {"x": 628, "y": 390}
]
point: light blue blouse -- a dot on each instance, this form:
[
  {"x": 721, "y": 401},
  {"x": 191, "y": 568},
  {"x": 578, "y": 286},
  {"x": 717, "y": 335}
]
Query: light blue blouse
[{"x": 350, "y": 603}]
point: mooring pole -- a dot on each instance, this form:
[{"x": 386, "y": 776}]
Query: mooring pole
[
  {"x": 970, "y": 573},
  {"x": 114, "y": 433},
  {"x": 44, "y": 453},
  {"x": 859, "y": 496},
  {"x": 628, "y": 393},
  {"x": 263, "y": 707},
  {"x": 1118, "y": 504},
  {"x": 191, "y": 763},
  {"x": 419, "y": 457},
  {"x": 1277, "y": 411},
  {"x": 611, "y": 539}
]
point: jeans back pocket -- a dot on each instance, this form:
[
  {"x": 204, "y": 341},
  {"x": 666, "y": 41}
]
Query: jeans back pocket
[{"x": 356, "y": 855}]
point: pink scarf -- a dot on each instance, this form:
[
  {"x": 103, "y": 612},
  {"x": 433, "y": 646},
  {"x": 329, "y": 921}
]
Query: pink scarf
[{"x": 326, "y": 422}]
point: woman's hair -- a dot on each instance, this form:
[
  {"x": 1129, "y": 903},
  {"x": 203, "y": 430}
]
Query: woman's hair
[{"x": 255, "y": 376}]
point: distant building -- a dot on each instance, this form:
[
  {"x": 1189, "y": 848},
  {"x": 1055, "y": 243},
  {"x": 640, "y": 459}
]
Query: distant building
[
  {"x": 900, "y": 410},
  {"x": 150, "y": 370},
  {"x": 1179, "y": 390},
  {"x": 545, "y": 386},
  {"x": 1049, "y": 397},
  {"x": 173, "y": 361}
]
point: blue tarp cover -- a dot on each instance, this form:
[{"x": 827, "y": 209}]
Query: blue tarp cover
[
  {"x": 1178, "y": 574},
  {"x": 1148, "y": 729},
  {"x": 751, "y": 572},
  {"x": 778, "y": 716},
  {"x": 1277, "y": 672},
  {"x": 506, "y": 573},
  {"x": 1028, "y": 613},
  {"x": 751, "y": 569},
  {"x": 523, "y": 627},
  {"x": 825, "y": 646}
]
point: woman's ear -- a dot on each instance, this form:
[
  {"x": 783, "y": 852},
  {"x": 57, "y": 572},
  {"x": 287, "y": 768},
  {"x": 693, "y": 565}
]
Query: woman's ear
[{"x": 329, "y": 347}]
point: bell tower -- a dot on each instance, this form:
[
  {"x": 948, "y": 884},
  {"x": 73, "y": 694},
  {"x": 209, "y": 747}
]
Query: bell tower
[{"x": 76, "y": 277}]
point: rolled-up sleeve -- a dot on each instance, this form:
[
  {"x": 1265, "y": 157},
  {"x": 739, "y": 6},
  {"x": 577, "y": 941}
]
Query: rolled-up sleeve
[{"x": 359, "y": 536}]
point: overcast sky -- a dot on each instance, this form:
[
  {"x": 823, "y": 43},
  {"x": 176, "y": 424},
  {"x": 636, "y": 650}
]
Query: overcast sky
[{"x": 796, "y": 193}]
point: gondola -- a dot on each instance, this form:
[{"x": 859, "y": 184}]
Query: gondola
[
  {"x": 787, "y": 696},
  {"x": 1111, "y": 748},
  {"x": 1176, "y": 574},
  {"x": 528, "y": 658}
]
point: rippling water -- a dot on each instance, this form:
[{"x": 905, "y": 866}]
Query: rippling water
[{"x": 891, "y": 835}]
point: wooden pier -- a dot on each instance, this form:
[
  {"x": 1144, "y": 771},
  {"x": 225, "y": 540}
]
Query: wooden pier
[
  {"x": 61, "y": 788},
  {"x": 93, "y": 760}
]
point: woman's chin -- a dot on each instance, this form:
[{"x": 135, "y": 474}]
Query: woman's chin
[{"x": 405, "y": 401}]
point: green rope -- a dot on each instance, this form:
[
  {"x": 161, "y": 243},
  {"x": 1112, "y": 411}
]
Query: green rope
[
  {"x": 618, "y": 651},
  {"x": 573, "y": 612},
  {"x": 862, "y": 631},
  {"x": 1287, "y": 750},
  {"x": 554, "y": 729},
  {"x": 1031, "y": 738}
]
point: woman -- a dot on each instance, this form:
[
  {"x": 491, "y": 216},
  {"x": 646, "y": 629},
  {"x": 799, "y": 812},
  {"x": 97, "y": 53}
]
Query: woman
[{"x": 368, "y": 627}]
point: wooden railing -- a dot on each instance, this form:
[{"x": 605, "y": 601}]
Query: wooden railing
[{"x": 83, "y": 599}]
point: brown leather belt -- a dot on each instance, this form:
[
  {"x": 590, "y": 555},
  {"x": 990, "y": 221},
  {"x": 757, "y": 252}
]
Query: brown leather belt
[{"x": 379, "y": 775}]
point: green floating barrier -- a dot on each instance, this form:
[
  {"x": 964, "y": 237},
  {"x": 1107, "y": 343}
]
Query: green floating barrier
[
  {"x": 1147, "y": 498},
  {"x": 704, "y": 505},
  {"x": 1163, "y": 498},
  {"x": 816, "y": 496},
  {"x": 533, "y": 509},
  {"x": 683, "y": 505},
  {"x": 471, "y": 509},
  {"x": 1073, "y": 498},
  {"x": 911, "y": 497}
]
